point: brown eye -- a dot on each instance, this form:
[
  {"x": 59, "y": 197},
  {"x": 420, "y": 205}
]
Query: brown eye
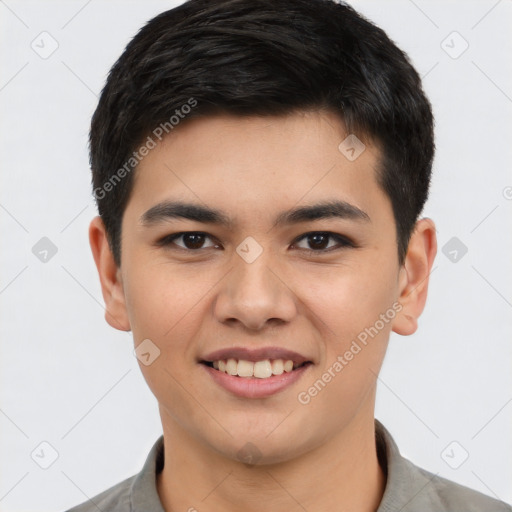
[
  {"x": 318, "y": 241},
  {"x": 193, "y": 240},
  {"x": 190, "y": 240}
]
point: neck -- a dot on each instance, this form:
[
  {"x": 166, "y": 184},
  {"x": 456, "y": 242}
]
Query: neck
[{"x": 342, "y": 474}]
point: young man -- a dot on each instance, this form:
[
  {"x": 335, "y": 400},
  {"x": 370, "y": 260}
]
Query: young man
[{"x": 260, "y": 167}]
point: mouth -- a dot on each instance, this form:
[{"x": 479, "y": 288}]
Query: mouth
[
  {"x": 257, "y": 373},
  {"x": 262, "y": 369}
]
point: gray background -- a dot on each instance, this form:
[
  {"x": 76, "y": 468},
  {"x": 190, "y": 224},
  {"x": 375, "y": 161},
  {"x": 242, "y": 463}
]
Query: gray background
[{"x": 70, "y": 380}]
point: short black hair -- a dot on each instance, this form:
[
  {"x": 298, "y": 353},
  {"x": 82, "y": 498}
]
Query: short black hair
[{"x": 263, "y": 58}]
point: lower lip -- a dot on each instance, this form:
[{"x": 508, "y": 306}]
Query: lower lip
[{"x": 252, "y": 387}]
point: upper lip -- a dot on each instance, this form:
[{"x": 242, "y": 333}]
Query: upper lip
[{"x": 258, "y": 354}]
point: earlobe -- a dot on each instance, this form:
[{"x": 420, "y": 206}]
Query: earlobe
[
  {"x": 110, "y": 277},
  {"x": 414, "y": 276}
]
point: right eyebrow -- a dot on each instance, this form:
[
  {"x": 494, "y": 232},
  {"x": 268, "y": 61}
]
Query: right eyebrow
[{"x": 175, "y": 209}]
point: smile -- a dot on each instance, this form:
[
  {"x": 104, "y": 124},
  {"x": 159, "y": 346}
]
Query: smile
[
  {"x": 255, "y": 372},
  {"x": 259, "y": 369}
]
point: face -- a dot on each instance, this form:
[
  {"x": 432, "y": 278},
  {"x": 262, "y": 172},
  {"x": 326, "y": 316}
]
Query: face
[{"x": 287, "y": 251}]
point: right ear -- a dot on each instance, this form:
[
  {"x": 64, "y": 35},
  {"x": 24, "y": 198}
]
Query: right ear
[{"x": 110, "y": 277}]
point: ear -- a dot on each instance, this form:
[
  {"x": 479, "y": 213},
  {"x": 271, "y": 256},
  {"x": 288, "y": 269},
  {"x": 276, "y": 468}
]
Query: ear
[
  {"x": 110, "y": 277},
  {"x": 414, "y": 276}
]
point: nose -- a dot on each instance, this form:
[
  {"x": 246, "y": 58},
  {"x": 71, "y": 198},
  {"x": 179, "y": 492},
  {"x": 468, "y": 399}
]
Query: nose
[{"x": 255, "y": 295}]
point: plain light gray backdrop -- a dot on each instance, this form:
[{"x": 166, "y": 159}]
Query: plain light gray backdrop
[{"x": 70, "y": 380}]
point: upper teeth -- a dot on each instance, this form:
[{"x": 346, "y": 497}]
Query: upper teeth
[{"x": 259, "y": 369}]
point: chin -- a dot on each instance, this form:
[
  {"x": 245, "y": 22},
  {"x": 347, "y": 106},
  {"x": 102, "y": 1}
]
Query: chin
[{"x": 260, "y": 450}]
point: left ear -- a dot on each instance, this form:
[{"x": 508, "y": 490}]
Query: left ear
[{"x": 414, "y": 276}]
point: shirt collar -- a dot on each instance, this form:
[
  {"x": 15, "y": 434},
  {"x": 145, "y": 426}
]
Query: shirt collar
[
  {"x": 406, "y": 485},
  {"x": 143, "y": 493}
]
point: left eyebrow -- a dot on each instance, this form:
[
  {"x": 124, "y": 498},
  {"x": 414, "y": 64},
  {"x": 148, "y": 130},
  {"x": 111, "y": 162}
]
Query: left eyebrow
[
  {"x": 174, "y": 209},
  {"x": 323, "y": 210}
]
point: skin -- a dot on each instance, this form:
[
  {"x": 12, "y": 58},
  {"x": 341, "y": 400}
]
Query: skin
[{"x": 315, "y": 303}]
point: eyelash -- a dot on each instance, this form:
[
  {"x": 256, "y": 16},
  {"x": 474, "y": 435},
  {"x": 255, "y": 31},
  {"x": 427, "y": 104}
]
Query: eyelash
[{"x": 343, "y": 241}]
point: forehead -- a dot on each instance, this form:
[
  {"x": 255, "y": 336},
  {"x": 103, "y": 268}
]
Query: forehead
[{"x": 251, "y": 164}]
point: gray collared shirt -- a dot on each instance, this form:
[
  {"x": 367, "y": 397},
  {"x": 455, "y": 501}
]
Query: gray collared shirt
[{"x": 408, "y": 487}]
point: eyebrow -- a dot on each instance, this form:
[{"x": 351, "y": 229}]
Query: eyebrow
[{"x": 175, "y": 209}]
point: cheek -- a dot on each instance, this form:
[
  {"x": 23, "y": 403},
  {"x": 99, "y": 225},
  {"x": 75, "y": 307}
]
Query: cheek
[
  {"x": 348, "y": 307},
  {"x": 156, "y": 300},
  {"x": 169, "y": 305},
  {"x": 163, "y": 305},
  {"x": 349, "y": 299}
]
